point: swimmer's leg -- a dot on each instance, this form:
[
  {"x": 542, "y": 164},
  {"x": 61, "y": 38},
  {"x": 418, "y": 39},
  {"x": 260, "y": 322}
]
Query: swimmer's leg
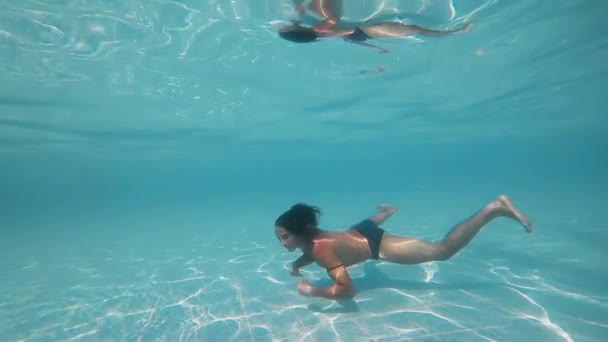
[
  {"x": 430, "y": 32},
  {"x": 405, "y": 250},
  {"x": 384, "y": 211},
  {"x": 396, "y": 29}
]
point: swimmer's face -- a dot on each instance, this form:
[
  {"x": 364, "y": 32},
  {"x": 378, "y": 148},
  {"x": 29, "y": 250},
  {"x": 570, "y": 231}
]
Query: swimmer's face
[{"x": 288, "y": 240}]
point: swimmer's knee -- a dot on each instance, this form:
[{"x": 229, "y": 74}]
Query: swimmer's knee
[{"x": 441, "y": 253}]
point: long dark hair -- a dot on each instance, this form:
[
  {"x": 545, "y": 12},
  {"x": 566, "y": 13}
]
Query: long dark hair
[
  {"x": 301, "y": 220},
  {"x": 298, "y": 34}
]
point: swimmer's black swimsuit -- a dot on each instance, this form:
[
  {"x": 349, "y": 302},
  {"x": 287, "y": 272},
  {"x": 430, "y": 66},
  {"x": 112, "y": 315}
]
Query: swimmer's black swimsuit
[
  {"x": 358, "y": 35},
  {"x": 372, "y": 233}
]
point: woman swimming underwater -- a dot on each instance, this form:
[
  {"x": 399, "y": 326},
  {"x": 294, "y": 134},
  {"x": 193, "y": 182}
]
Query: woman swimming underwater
[
  {"x": 297, "y": 228},
  {"x": 330, "y": 11}
]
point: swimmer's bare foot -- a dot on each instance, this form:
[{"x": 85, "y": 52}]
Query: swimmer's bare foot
[
  {"x": 384, "y": 211},
  {"x": 387, "y": 209},
  {"x": 506, "y": 208}
]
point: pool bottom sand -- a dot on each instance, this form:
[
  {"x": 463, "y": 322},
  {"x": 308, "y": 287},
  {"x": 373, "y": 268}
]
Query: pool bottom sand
[{"x": 193, "y": 275}]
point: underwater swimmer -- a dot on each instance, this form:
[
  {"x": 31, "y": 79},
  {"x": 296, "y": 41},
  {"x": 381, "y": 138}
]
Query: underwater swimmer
[
  {"x": 297, "y": 228},
  {"x": 330, "y": 11}
]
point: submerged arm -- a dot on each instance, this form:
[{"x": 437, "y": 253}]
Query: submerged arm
[
  {"x": 302, "y": 261},
  {"x": 342, "y": 288}
]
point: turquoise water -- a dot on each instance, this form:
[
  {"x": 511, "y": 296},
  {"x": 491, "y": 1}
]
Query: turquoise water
[{"x": 148, "y": 147}]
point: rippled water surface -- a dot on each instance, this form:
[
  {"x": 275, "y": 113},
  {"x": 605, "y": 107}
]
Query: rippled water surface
[{"x": 169, "y": 74}]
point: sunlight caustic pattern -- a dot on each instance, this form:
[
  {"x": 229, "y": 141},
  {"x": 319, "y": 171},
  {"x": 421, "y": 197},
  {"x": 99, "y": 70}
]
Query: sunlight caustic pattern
[
  {"x": 130, "y": 79},
  {"x": 184, "y": 295}
]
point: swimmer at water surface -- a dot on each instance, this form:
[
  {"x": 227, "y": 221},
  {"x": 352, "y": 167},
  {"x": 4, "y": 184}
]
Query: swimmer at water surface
[
  {"x": 330, "y": 27},
  {"x": 297, "y": 228}
]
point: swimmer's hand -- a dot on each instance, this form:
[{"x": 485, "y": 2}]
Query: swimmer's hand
[
  {"x": 305, "y": 288},
  {"x": 302, "y": 261}
]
